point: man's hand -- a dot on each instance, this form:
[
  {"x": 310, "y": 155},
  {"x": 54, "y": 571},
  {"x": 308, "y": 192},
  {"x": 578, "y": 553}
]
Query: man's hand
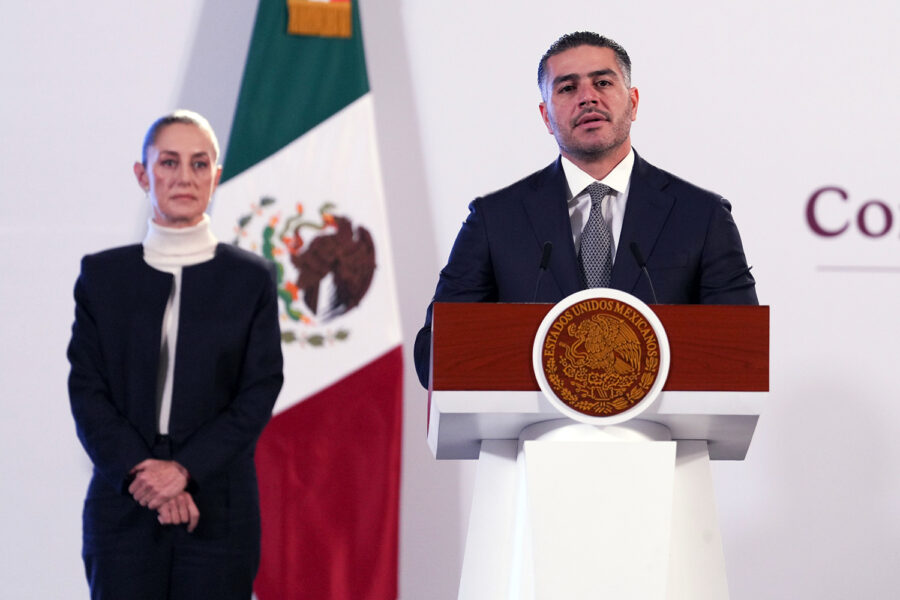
[
  {"x": 157, "y": 481},
  {"x": 179, "y": 510}
]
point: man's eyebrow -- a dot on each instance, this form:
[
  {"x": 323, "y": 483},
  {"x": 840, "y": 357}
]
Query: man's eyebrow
[
  {"x": 570, "y": 77},
  {"x": 604, "y": 73},
  {"x": 592, "y": 74}
]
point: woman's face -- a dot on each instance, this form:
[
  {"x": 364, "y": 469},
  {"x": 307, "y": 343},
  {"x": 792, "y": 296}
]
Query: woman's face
[{"x": 180, "y": 175}]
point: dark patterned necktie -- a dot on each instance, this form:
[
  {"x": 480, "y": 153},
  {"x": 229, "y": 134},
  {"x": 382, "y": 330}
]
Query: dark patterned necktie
[{"x": 596, "y": 241}]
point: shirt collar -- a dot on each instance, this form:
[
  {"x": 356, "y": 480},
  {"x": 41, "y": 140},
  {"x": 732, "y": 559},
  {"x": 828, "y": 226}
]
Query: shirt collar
[{"x": 617, "y": 179}]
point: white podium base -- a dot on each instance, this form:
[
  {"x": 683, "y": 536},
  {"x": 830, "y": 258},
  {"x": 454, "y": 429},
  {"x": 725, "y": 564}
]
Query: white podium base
[{"x": 642, "y": 526}]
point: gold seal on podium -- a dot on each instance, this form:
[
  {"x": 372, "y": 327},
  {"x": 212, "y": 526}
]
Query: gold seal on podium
[{"x": 600, "y": 354}]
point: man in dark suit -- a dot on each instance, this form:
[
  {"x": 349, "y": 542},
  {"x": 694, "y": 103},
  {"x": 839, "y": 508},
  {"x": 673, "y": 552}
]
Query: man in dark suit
[{"x": 686, "y": 235}]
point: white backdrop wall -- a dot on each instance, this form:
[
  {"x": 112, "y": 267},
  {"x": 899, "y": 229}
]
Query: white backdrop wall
[{"x": 764, "y": 102}]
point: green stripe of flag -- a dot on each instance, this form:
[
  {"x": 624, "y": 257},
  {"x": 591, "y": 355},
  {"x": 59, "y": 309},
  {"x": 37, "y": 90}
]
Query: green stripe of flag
[{"x": 291, "y": 84}]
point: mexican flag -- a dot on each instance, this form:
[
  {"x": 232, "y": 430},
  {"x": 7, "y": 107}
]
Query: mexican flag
[{"x": 302, "y": 188}]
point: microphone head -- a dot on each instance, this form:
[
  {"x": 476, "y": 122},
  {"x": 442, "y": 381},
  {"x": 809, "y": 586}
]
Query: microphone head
[
  {"x": 636, "y": 252},
  {"x": 545, "y": 255},
  {"x": 639, "y": 257}
]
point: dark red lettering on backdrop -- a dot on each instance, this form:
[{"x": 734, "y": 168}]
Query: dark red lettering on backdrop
[{"x": 873, "y": 218}]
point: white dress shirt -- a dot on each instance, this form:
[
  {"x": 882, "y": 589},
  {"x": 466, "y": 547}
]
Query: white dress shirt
[{"x": 580, "y": 202}]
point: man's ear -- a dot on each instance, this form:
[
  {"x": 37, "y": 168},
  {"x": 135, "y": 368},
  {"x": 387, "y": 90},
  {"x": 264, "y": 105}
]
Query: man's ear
[
  {"x": 635, "y": 97},
  {"x": 545, "y": 115}
]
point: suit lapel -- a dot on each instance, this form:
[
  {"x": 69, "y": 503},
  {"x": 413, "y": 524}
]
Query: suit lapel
[
  {"x": 549, "y": 215},
  {"x": 645, "y": 214}
]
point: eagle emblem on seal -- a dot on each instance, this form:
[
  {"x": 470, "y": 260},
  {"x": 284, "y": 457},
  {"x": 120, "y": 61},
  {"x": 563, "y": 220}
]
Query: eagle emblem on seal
[
  {"x": 602, "y": 343},
  {"x": 604, "y": 358},
  {"x": 600, "y": 357}
]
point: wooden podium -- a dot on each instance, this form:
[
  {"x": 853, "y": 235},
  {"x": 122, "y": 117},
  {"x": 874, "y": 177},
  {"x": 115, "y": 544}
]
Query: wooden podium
[{"x": 576, "y": 511}]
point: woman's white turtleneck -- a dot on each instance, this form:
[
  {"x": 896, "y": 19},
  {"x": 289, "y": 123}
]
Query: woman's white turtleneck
[{"x": 170, "y": 250}]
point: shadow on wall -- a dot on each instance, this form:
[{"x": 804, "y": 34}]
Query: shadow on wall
[
  {"x": 215, "y": 67},
  {"x": 432, "y": 525}
]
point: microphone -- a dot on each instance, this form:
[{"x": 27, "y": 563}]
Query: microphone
[
  {"x": 545, "y": 261},
  {"x": 639, "y": 258}
]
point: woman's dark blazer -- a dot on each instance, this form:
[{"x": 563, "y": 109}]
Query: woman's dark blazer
[{"x": 228, "y": 372}]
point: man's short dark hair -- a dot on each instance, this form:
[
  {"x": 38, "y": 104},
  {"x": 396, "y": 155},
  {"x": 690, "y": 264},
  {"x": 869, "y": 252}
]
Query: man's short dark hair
[{"x": 585, "y": 38}]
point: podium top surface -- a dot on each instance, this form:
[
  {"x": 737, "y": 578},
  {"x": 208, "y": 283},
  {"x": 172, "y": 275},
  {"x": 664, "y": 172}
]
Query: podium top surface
[{"x": 487, "y": 347}]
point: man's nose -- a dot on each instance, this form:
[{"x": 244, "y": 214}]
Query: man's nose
[{"x": 588, "y": 96}]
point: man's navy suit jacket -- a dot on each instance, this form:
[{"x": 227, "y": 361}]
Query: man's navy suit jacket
[
  {"x": 228, "y": 372},
  {"x": 686, "y": 234}
]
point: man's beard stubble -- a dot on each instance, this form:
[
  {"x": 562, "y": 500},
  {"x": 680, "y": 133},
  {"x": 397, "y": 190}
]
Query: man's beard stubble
[{"x": 598, "y": 150}]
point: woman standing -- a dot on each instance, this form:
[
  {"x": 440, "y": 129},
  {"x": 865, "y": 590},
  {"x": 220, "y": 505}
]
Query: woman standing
[{"x": 175, "y": 366}]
